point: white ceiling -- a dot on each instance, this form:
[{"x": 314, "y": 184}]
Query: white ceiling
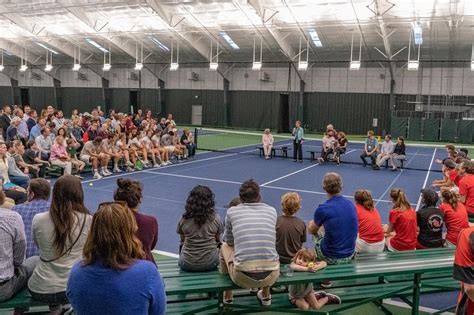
[{"x": 125, "y": 25}]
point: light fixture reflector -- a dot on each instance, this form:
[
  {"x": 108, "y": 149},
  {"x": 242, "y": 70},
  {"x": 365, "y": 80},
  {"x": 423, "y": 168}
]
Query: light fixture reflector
[
  {"x": 413, "y": 65},
  {"x": 23, "y": 68},
  {"x": 303, "y": 65},
  {"x": 257, "y": 65},
  {"x": 48, "y": 68},
  {"x": 355, "y": 65},
  {"x": 213, "y": 66},
  {"x": 174, "y": 66},
  {"x": 76, "y": 67},
  {"x": 107, "y": 67},
  {"x": 138, "y": 66}
]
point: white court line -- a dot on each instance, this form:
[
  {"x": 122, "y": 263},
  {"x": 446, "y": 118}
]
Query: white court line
[
  {"x": 394, "y": 180},
  {"x": 426, "y": 178},
  {"x": 164, "y": 167},
  {"x": 317, "y": 192},
  {"x": 296, "y": 172},
  {"x": 421, "y": 308},
  {"x": 162, "y": 252},
  {"x": 195, "y": 177}
]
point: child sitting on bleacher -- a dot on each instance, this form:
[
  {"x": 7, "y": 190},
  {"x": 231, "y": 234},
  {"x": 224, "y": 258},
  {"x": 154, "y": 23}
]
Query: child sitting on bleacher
[
  {"x": 302, "y": 295},
  {"x": 290, "y": 230}
]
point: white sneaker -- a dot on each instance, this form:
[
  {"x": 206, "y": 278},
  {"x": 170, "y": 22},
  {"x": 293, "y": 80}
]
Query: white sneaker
[
  {"x": 97, "y": 175},
  {"x": 105, "y": 173},
  {"x": 129, "y": 169},
  {"x": 156, "y": 165},
  {"x": 117, "y": 170},
  {"x": 264, "y": 301}
]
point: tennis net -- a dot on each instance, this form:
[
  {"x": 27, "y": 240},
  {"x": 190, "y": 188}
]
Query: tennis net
[{"x": 239, "y": 142}]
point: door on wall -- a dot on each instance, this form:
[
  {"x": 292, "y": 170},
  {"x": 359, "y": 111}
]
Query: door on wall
[
  {"x": 196, "y": 115},
  {"x": 25, "y": 96},
  {"x": 133, "y": 101},
  {"x": 284, "y": 113}
]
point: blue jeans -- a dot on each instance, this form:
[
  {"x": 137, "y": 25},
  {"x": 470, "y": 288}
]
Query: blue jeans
[
  {"x": 191, "y": 149},
  {"x": 22, "y": 181}
]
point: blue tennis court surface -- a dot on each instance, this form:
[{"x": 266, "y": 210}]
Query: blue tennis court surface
[{"x": 166, "y": 188}]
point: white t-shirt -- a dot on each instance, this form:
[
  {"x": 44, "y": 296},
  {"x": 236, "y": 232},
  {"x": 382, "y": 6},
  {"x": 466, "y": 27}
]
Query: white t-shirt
[{"x": 51, "y": 277}]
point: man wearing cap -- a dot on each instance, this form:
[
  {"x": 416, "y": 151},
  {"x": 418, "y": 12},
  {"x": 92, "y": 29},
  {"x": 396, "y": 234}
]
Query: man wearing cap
[{"x": 430, "y": 220}]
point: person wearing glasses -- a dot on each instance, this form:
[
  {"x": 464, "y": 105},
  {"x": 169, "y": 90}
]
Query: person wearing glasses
[
  {"x": 114, "y": 277},
  {"x": 60, "y": 235}
]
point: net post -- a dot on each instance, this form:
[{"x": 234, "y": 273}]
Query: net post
[{"x": 196, "y": 137}]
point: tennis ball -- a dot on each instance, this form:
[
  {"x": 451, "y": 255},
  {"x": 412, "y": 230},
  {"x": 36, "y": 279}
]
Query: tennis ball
[{"x": 91, "y": 184}]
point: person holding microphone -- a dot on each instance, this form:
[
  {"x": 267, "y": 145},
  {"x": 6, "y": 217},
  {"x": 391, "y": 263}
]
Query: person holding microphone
[{"x": 298, "y": 134}]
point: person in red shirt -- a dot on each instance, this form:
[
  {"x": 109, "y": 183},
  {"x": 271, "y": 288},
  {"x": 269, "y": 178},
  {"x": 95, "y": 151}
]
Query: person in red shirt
[
  {"x": 463, "y": 271},
  {"x": 401, "y": 232},
  {"x": 371, "y": 237},
  {"x": 466, "y": 187},
  {"x": 455, "y": 216}
]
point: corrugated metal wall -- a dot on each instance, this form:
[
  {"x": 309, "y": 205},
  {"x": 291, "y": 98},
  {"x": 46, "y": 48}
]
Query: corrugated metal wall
[
  {"x": 254, "y": 109},
  {"x": 120, "y": 99},
  {"x": 350, "y": 112}
]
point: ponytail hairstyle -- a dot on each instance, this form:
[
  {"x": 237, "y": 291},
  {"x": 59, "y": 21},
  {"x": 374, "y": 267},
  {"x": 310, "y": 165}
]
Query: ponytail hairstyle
[
  {"x": 400, "y": 201},
  {"x": 451, "y": 198},
  {"x": 364, "y": 198}
]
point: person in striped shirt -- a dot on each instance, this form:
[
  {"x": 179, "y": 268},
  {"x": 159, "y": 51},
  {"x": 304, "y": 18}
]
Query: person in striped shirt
[{"x": 249, "y": 253}]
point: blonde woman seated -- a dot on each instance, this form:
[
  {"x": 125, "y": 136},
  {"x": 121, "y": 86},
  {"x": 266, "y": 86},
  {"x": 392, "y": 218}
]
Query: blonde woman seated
[{"x": 267, "y": 143}]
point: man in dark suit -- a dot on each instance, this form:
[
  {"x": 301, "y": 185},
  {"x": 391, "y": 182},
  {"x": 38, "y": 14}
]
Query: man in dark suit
[{"x": 5, "y": 119}]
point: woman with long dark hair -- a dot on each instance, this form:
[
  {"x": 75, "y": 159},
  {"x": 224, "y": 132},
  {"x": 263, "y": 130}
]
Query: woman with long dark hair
[
  {"x": 398, "y": 154},
  {"x": 113, "y": 277},
  {"x": 60, "y": 235},
  {"x": 130, "y": 192},
  {"x": 200, "y": 230}
]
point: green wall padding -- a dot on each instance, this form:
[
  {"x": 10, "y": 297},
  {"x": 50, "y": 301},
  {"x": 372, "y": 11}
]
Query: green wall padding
[
  {"x": 398, "y": 126},
  {"x": 431, "y": 129},
  {"x": 414, "y": 129},
  {"x": 466, "y": 133},
  {"x": 449, "y": 130}
]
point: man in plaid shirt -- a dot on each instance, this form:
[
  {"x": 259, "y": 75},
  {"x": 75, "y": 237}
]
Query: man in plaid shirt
[{"x": 37, "y": 195}]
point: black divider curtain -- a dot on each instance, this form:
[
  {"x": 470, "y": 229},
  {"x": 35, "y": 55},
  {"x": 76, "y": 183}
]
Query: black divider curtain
[
  {"x": 431, "y": 129},
  {"x": 449, "y": 130},
  {"x": 415, "y": 129},
  {"x": 466, "y": 131},
  {"x": 398, "y": 126}
]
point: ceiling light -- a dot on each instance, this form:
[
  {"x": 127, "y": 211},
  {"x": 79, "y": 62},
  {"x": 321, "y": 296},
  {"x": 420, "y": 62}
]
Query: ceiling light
[
  {"x": 76, "y": 67},
  {"x": 257, "y": 65},
  {"x": 23, "y": 68},
  {"x": 213, "y": 66},
  {"x": 303, "y": 65},
  {"x": 138, "y": 66},
  {"x": 413, "y": 65},
  {"x": 229, "y": 40},
  {"x": 47, "y": 48},
  {"x": 355, "y": 65},
  {"x": 107, "y": 67},
  {"x": 1, "y": 68},
  {"x": 159, "y": 44},
  {"x": 174, "y": 66},
  {"x": 48, "y": 68},
  {"x": 315, "y": 38},
  {"x": 95, "y": 44}
]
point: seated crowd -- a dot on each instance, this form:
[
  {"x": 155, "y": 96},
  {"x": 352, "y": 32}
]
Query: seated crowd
[
  {"x": 68, "y": 258},
  {"x": 103, "y": 264},
  {"x": 32, "y": 142}
]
